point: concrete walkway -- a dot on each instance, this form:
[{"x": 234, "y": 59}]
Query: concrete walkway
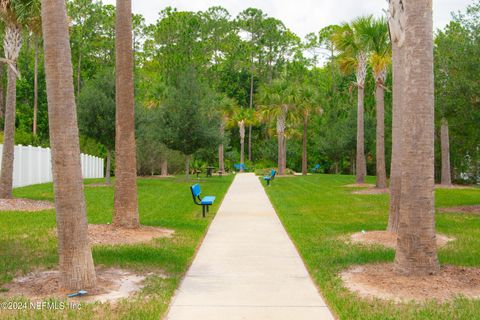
[{"x": 247, "y": 266}]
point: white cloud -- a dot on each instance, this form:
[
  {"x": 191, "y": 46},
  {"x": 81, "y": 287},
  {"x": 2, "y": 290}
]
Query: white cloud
[{"x": 301, "y": 16}]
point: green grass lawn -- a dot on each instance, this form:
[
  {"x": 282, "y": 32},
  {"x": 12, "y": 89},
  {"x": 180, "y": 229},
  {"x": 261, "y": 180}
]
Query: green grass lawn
[
  {"x": 27, "y": 243},
  {"x": 317, "y": 211}
]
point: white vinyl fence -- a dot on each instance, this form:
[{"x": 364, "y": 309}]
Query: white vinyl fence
[{"x": 33, "y": 165}]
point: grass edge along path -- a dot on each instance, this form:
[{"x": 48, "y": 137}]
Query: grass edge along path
[
  {"x": 319, "y": 213},
  {"x": 27, "y": 243}
]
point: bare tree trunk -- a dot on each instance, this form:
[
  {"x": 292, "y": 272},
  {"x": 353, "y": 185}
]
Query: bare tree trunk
[
  {"x": 397, "y": 115},
  {"x": 221, "y": 160},
  {"x": 304, "y": 147},
  {"x": 380, "y": 147},
  {"x": 361, "y": 163},
  {"x": 12, "y": 44},
  {"x": 445, "y": 141},
  {"x": 242, "y": 145},
  {"x": 76, "y": 263},
  {"x": 164, "y": 168},
  {"x": 187, "y": 167},
  {"x": 280, "y": 137},
  {"x": 126, "y": 202},
  {"x": 109, "y": 167},
  {"x": 282, "y": 152},
  {"x": 35, "y": 88},
  {"x": 416, "y": 253}
]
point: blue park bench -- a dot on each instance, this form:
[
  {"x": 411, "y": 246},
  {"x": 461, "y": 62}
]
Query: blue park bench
[
  {"x": 271, "y": 177},
  {"x": 240, "y": 167},
  {"x": 206, "y": 202},
  {"x": 316, "y": 168}
]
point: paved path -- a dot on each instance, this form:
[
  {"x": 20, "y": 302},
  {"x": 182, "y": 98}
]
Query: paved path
[{"x": 247, "y": 266}]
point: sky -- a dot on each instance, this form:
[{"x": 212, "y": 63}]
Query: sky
[{"x": 301, "y": 16}]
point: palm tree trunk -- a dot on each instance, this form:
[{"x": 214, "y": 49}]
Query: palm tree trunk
[
  {"x": 12, "y": 44},
  {"x": 35, "y": 88},
  {"x": 416, "y": 252},
  {"x": 109, "y": 167},
  {"x": 251, "y": 106},
  {"x": 397, "y": 116},
  {"x": 380, "y": 148},
  {"x": 126, "y": 203},
  {"x": 360, "y": 163},
  {"x": 304, "y": 147},
  {"x": 76, "y": 263},
  {"x": 280, "y": 137},
  {"x": 242, "y": 145},
  {"x": 2, "y": 93},
  {"x": 164, "y": 168},
  {"x": 445, "y": 142}
]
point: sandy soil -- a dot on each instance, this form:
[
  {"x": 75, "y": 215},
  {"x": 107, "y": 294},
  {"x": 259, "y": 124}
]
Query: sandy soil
[
  {"x": 465, "y": 209},
  {"x": 360, "y": 185},
  {"x": 388, "y": 239},
  {"x": 380, "y": 281},
  {"x": 94, "y": 185},
  {"x": 25, "y": 205},
  {"x": 371, "y": 191},
  {"x": 453, "y": 186},
  {"x": 112, "y": 285},
  {"x": 106, "y": 234}
]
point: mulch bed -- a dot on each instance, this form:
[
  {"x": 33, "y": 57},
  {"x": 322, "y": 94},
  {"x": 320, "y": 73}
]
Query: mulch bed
[
  {"x": 453, "y": 186},
  {"x": 372, "y": 191},
  {"x": 26, "y": 205},
  {"x": 379, "y": 281},
  {"x": 389, "y": 239},
  {"x": 360, "y": 185}
]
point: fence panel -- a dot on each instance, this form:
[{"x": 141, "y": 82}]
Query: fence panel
[{"x": 33, "y": 165}]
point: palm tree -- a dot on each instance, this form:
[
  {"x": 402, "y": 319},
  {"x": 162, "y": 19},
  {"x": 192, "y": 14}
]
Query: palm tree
[
  {"x": 397, "y": 33},
  {"x": 377, "y": 36},
  {"x": 276, "y": 100},
  {"x": 227, "y": 106},
  {"x": 126, "y": 203},
  {"x": 416, "y": 252},
  {"x": 15, "y": 14},
  {"x": 349, "y": 40},
  {"x": 242, "y": 118},
  {"x": 308, "y": 104},
  {"x": 76, "y": 263}
]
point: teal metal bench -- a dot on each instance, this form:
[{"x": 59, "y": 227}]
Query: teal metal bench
[
  {"x": 205, "y": 202},
  {"x": 271, "y": 177}
]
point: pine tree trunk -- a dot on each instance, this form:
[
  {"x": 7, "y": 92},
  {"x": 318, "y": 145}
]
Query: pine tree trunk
[
  {"x": 304, "y": 147},
  {"x": 445, "y": 142},
  {"x": 35, "y": 88},
  {"x": 126, "y": 203},
  {"x": 397, "y": 114},
  {"x": 416, "y": 253},
  {"x": 360, "y": 163},
  {"x": 12, "y": 43},
  {"x": 109, "y": 167},
  {"x": 164, "y": 168},
  {"x": 76, "y": 263},
  {"x": 380, "y": 147}
]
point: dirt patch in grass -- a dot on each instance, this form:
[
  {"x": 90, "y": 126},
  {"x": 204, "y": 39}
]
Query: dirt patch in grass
[
  {"x": 453, "y": 186},
  {"x": 465, "y": 209},
  {"x": 360, "y": 185},
  {"x": 372, "y": 191},
  {"x": 98, "y": 185},
  {"x": 381, "y": 282},
  {"x": 112, "y": 285},
  {"x": 106, "y": 234},
  {"x": 389, "y": 239},
  {"x": 26, "y": 205}
]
